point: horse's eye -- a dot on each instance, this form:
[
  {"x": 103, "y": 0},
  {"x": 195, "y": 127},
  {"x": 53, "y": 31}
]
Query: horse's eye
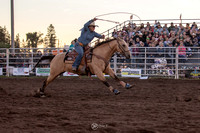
[{"x": 123, "y": 45}]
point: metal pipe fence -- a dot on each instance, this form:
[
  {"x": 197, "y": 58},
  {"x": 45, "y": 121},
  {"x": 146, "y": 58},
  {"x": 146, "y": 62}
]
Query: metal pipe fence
[{"x": 152, "y": 61}]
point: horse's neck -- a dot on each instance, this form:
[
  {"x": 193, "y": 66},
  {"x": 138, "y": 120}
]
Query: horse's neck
[{"x": 107, "y": 50}]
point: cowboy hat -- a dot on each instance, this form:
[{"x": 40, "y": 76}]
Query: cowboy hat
[{"x": 93, "y": 24}]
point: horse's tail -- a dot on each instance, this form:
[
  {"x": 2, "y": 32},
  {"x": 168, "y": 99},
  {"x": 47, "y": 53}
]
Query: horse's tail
[{"x": 49, "y": 57}]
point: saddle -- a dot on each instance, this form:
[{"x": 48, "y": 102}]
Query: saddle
[{"x": 87, "y": 58}]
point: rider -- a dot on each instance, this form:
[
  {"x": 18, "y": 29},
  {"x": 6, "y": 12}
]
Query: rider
[{"x": 87, "y": 35}]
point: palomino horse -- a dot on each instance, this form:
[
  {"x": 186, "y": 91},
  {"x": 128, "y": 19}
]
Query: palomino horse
[{"x": 101, "y": 56}]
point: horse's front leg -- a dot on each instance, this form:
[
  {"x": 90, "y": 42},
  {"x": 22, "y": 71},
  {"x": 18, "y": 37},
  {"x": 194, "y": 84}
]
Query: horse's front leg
[
  {"x": 112, "y": 74},
  {"x": 103, "y": 79}
]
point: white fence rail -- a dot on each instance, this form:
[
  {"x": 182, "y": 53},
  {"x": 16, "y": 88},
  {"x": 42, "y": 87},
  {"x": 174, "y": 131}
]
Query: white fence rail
[{"x": 149, "y": 61}]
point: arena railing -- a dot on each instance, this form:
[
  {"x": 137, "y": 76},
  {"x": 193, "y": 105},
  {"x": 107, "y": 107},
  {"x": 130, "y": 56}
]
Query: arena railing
[
  {"x": 108, "y": 33},
  {"x": 151, "y": 62}
]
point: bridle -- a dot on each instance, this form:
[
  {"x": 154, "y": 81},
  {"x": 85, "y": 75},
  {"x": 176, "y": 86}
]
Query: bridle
[{"x": 122, "y": 48}]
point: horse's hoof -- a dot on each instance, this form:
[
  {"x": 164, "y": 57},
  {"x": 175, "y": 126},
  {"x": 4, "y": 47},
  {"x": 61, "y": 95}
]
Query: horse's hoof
[
  {"x": 40, "y": 95},
  {"x": 116, "y": 91},
  {"x": 128, "y": 86}
]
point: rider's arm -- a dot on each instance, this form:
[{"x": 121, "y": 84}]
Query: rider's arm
[{"x": 99, "y": 35}]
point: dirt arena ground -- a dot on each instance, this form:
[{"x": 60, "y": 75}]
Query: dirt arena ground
[{"x": 82, "y": 105}]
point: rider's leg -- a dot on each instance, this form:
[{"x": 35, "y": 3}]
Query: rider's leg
[{"x": 79, "y": 50}]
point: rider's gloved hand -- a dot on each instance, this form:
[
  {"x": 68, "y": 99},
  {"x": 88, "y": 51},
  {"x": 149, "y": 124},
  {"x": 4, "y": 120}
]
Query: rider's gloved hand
[{"x": 95, "y": 19}]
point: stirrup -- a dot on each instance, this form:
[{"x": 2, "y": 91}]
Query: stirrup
[{"x": 74, "y": 69}]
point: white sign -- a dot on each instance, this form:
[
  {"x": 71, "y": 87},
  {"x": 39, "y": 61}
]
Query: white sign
[
  {"x": 21, "y": 71},
  {"x": 42, "y": 71},
  {"x": 69, "y": 74},
  {"x": 131, "y": 73},
  {"x": 1, "y": 71}
]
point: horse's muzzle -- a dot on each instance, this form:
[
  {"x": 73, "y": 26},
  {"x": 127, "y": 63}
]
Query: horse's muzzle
[{"x": 127, "y": 55}]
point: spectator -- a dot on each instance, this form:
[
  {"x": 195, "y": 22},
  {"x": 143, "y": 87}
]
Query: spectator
[
  {"x": 188, "y": 26},
  {"x": 156, "y": 36},
  {"x": 176, "y": 42},
  {"x": 172, "y": 27},
  {"x": 135, "y": 53},
  {"x": 71, "y": 47},
  {"x": 145, "y": 35},
  {"x": 198, "y": 36},
  {"x": 130, "y": 33},
  {"x": 167, "y": 42},
  {"x": 150, "y": 36},
  {"x": 137, "y": 42},
  {"x": 170, "y": 53},
  {"x": 131, "y": 42},
  {"x": 141, "y": 37},
  {"x": 147, "y": 42},
  {"x": 136, "y": 35},
  {"x": 172, "y": 36},
  {"x": 141, "y": 52},
  {"x": 182, "y": 52},
  {"x": 187, "y": 31},
  {"x": 156, "y": 24},
  {"x": 160, "y": 49},
  {"x": 194, "y": 40},
  {"x": 114, "y": 33},
  {"x": 152, "y": 52},
  {"x": 160, "y": 29},
  {"x": 176, "y": 29}
]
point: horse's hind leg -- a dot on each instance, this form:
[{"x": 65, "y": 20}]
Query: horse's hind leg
[
  {"x": 50, "y": 78},
  {"x": 112, "y": 74}
]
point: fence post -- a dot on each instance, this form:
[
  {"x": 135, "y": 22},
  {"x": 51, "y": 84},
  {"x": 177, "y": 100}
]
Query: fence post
[
  {"x": 7, "y": 62},
  {"x": 176, "y": 64},
  {"x": 32, "y": 60},
  {"x": 145, "y": 61},
  {"x": 115, "y": 63}
]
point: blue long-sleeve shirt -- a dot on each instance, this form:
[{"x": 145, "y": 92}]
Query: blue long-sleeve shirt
[{"x": 86, "y": 35}]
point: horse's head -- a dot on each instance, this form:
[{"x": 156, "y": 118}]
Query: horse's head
[{"x": 122, "y": 47}]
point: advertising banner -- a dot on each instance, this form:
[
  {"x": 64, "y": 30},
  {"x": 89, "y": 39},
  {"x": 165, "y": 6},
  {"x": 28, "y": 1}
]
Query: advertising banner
[
  {"x": 131, "y": 73},
  {"x": 42, "y": 71},
  {"x": 21, "y": 71}
]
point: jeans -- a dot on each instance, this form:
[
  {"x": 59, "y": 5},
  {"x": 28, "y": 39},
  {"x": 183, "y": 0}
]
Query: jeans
[{"x": 80, "y": 51}]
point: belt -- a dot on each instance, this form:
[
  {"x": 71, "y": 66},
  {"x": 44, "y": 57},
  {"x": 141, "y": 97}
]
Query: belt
[{"x": 80, "y": 44}]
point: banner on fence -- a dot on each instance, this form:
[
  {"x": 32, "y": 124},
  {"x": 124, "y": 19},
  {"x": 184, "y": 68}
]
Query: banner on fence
[
  {"x": 55, "y": 52},
  {"x": 21, "y": 71},
  {"x": 69, "y": 74},
  {"x": 1, "y": 71},
  {"x": 195, "y": 74},
  {"x": 131, "y": 73},
  {"x": 42, "y": 71}
]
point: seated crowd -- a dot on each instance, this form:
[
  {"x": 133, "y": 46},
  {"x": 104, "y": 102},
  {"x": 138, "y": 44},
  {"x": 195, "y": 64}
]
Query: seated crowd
[{"x": 159, "y": 38}]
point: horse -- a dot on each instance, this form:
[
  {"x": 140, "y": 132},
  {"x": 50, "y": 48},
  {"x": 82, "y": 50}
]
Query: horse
[{"x": 100, "y": 63}]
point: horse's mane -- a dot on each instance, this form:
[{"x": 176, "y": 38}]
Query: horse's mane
[{"x": 103, "y": 42}]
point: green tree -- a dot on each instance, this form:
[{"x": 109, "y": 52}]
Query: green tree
[
  {"x": 33, "y": 39},
  {"x": 50, "y": 39},
  {"x": 4, "y": 38},
  {"x": 17, "y": 43}
]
